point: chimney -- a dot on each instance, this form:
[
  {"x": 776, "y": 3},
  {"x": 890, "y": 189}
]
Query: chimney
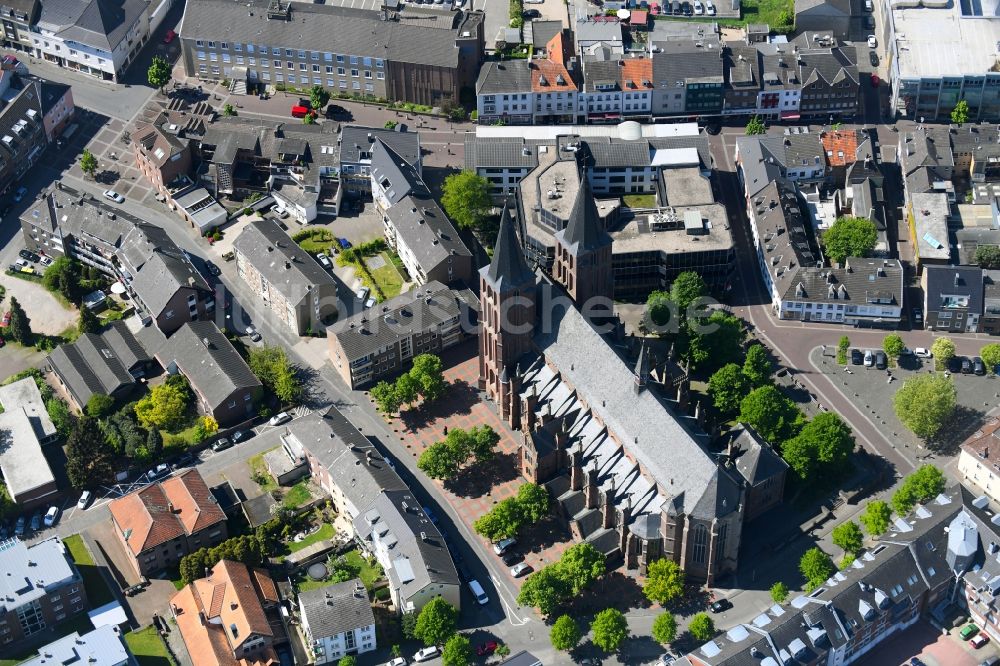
[
  {"x": 576, "y": 468},
  {"x": 591, "y": 491},
  {"x": 609, "y": 506}
]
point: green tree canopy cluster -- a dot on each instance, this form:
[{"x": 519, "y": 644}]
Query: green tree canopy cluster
[
  {"x": 436, "y": 622},
  {"x": 506, "y": 519},
  {"x": 88, "y": 460},
  {"x": 850, "y": 237},
  {"x": 577, "y": 569},
  {"x": 251, "y": 549},
  {"x": 701, "y": 627},
  {"x": 925, "y": 403},
  {"x": 921, "y": 486},
  {"x": 424, "y": 380},
  {"x": 466, "y": 199},
  {"x": 771, "y": 414},
  {"x": 271, "y": 366},
  {"x": 664, "y": 581},
  {"x": 166, "y": 405},
  {"x": 732, "y": 383},
  {"x": 987, "y": 256},
  {"x": 823, "y": 446},
  {"x": 19, "y": 328},
  {"x": 445, "y": 459},
  {"x": 876, "y": 517},
  {"x": 816, "y": 566}
]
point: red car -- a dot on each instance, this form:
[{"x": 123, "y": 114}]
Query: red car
[
  {"x": 6, "y": 319},
  {"x": 169, "y": 37},
  {"x": 875, "y": 80},
  {"x": 487, "y": 648}
]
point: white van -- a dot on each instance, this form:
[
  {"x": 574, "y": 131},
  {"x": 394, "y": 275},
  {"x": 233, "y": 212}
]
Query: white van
[{"x": 478, "y": 592}]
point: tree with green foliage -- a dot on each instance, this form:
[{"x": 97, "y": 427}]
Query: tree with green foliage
[
  {"x": 850, "y": 237},
  {"x": 943, "y": 350},
  {"x": 466, "y": 199},
  {"x": 876, "y": 518},
  {"x": 893, "y": 345},
  {"x": 659, "y": 308},
  {"x": 533, "y": 501},
  {"x": 228, "y": 110},
  {"x": 436, "y": 622},
  {"x": 823, "y": 446},
  {"x": 19, "y": 328},
  {"x": 165, "y": 407},
  {"x": 88, "y": 163},
  {"x": 99, "y": 405},
  {"x": 755, "y": 126},
  {"x": 701, "y": 627},
  {"x": 921, "y": 486},
  {"x": 318, "y": 97},
  {"x": 816, "y": 566},
  {"x": 396, "y": 651},
  {"x": 502, "y": 651},
  {"x": 664, "y": 581},
  {"x": 440, "y": 461},
  {"x": 686, "y": 289},
  {"x": 771, "y": 414},
  {"x": 715, "y": 341},
  {"x": 727, "y": 388},
  {"x": 987, "y": 256},
  {"x": 779, "y": 592},
  {"x": 848, "y": 537},
  {"x": 565, "y": 633},
  {"x": 457, "y": 651},
  {"x": 409, "y": 625},
  {"x": 348, "y": 660},
  {"x": 757, "y": 366},
  {"x": 960, "y": 114},
  {"x": 271, "y": 366},
  {"x": 503, "y": 521},
  {"x": 610, "y": 629},
  {"x": 407, "y": 390},
  {"x": 89, "y": 322},
  {"x": 990, "y": 354},
  {"x": 580, "y": 565},
  {"x": 154, "y": 443},
  {"x": 63, "y": 276},
  {"x": 386, "y": 397},
  {"x": 925, "y": 403},
  {"x": 88, "y": 459},
  {"x": 545, "y": 589},
  {"x": 62, "y": 418},
  {"x": 158, "y": 73},
  {"x": 664, "y": 629},
  {"x": 480, "y": 443},
  {"x": 428, "y": 372}
]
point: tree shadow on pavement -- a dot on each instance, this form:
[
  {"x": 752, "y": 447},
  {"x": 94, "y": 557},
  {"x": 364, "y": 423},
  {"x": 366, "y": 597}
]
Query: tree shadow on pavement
[
  {"x": 480, "y": 478},
  {"x": 313, "y": 394},
  {"x": 613, "y": 590},
  {"x": 544, "y": 534},
  {"x": 963, "y": 423},
  {"x": 458, "y": 398}
]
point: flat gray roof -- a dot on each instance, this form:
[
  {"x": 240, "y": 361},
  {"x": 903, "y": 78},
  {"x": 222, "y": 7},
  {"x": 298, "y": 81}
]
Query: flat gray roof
[
  {"x": 930, "y": 216},
  {"x": 639, "y": 235},
  {"x": 24, "y": 394},
  {"x": 22, "y": 462},
  {"x": 934, "y": 42}
]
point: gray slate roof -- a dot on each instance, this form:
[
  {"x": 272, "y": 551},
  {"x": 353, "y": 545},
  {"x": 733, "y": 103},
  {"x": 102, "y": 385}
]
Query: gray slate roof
[
  {"x": 691, "y": 64},
  {"x": 508, "y": 268},
  {"x": 99, "y": 23},
  {"x": 322, "y": 27},
  {"x": 335, "y": 609},
  {"x": 945, "y": 281},
  {"x": 356, "y": 139},
  {"x": 504, "y": 76},
  {"x": 286, "y": 266},
  {"x": 208, "y": 360},
  {"x": 158, "y": 267},
  {"x": 757, "y": 461},
  {"x": 861, "y": 282},
  {"x": 98, "y": 362},
  {"x": 31, "y": 572}
]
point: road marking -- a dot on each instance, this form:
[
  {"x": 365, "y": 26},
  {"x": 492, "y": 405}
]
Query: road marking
[{"x": 509, "y": 611}]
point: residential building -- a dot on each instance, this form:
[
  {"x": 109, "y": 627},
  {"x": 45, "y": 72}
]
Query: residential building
[
  {"x": 953, "y": 298},
  {"x": 230, "y": 617},
  {"x": 599, "y": 31},
  {"x": 337, "y": 620},
  {"x": 42, "y": 589},
  {"x": 23, "y": 137},
  {"x": 26, "y": 473},
  {"x": 797, "y": 156},
  {"x": 616, "y": 89},
  {"x": 762, "y": 469},
  {"x": 688, "y": 78},
  {"x": 107, "y": 363},
  {"x": 24, "y": 395},
  {"x": 290, "y": 282},
  {"x": 380, "y": 342},
  {"x": 591, "y": 420},
  {"x": 989, "y": 322},
  {"x": 539, "y": 90},
  {"x": 410, "y": 549},
  {"x": 963, "y": 68},
  {"x": 403, "y": 56},
  {"x": 164, "y": 521},
  {"x": 979, "y": 459},
  {"x": 864, "y": 292},
  {"x": 161, "y": 155},
  {"x": 93, "y": 37},
  {"x": 165, "y": 287},
  {"x": 834, "y": 16},
  {"x": 222, "y": 381},
  {"x": 357, "y": 145},
  {"x": 929, "y": 215},
  {"x": 58, "y": 108},
  {"x": 926, "y": 159},
  {"x": 103, "y": 646}
]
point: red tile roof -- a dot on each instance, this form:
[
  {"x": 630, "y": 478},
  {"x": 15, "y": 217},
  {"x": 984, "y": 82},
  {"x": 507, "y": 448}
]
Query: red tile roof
[
  {"x": 841, "y": 147},
  {"x": 549, "y": 74},
  {"x": 164, "y": 511},
  {"x": 635, "y": 71}
]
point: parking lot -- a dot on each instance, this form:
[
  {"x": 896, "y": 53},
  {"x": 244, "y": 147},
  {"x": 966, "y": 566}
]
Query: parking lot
[{"x": 375, "y": 5}]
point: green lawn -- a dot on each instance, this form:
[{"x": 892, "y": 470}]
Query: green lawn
[
  {"x": 324, "y": 532},
  {"x": 258, "y": 472},
  {"x": 369, "y": 574},
  {"x": 639, "y": 200},
  {"x": 754, "y": 11},
  {"x": 98, "y": 593},
  {"x": 315, "y": 240},
  {"x": 387, "y": 277},
  {"x": 148, "y": 647},
  {"x": 298, "y": 494}
]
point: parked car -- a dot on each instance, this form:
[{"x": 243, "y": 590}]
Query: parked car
[
  {"x": 869, "y": 22},
  {"x": 478, "y": 592},
  {"x": 114, "y": 196},
  {"x": 881, "y": 360},
  {"x": 966, "y": 366},
  {"x": 979, "y": 640},
  {"x": 968, "y": 631},
  {"x": 430, "y": 514},
  {"x": 699, "y": 8},
  {"x": 486, "y": 649},
  {"x": 22, "y": 263},
  {"x": 857, "y": 358},
  {"x": 872, "y": 42},
  {"x": 918, "y": 316},
  {"x": 922, "y": 352},
  {"x": 532, "y": 14},
  {"x": 21, "y": 191},
  {"x": 362, "y": 294},
  {"x": 222, "y": 444},
  {"x": 869, "y": 6},
  {"x": 398, "y": 661},
  {"x": 869, "y": 359},
  {"x": 45, "y": 261},
  {"x": 169, "y": 37},
  {"x": 501, "y": 546},
  {"x": 4, "y": 530},
  {"x": 84, "y": 500},
  {"x": 160, "y": 470},
  {"x": 427, "y": 653},
  {"x": 242, "y": 435},
  {"x": 324, "y": 260},
  {"x": 978, "y": 367},
  {"x": 520, "y": 569},
  {"x": 510, "y": 558},
  {"x": 710, "y": 8},
  {"x": 955, "y": 364},
  {"x": 36, "y": 522},
  {"x": 29, "y": 255},
  {"x": 20, "y": 526},
  {"x": 51, "y": 516},
  {"x": 279, "y": 418},
  {"x": 721, "y": 605},
  {"x": 252, "y": 333},
  {"x": 5, "y": 321},
  {"x": 873, "y": 58},
  {"x": 212, "y": 268},
  {"x": 344, "y": 243},
  {"x": 915, "y": 661}
]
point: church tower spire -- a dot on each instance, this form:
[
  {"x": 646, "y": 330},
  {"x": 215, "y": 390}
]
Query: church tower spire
[
  {"x": 507, "y": 294},
  {"x": 583, "y": 253}
]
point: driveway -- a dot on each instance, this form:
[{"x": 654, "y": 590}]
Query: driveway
[
  {"x": 924, "y": 641},
  {"x": 47, "y": 315}
]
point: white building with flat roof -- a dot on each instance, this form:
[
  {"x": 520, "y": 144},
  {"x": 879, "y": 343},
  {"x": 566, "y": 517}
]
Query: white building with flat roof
[{"x": 25, "y": 470}]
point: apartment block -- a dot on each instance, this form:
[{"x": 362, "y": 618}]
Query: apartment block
[{"x": 337, "y": 620}]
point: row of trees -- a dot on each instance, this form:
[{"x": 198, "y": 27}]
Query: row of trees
[
  {"x": 437, "y": 624},
  {"x": 610, "y": 629},
  {"x": 251, "y": 549},
  {"x": 445, "y": 459},
  {"x": 506, "y": 519},
  {"x": 424, "y": 381},
  {"x": 553, "y": 585}
]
